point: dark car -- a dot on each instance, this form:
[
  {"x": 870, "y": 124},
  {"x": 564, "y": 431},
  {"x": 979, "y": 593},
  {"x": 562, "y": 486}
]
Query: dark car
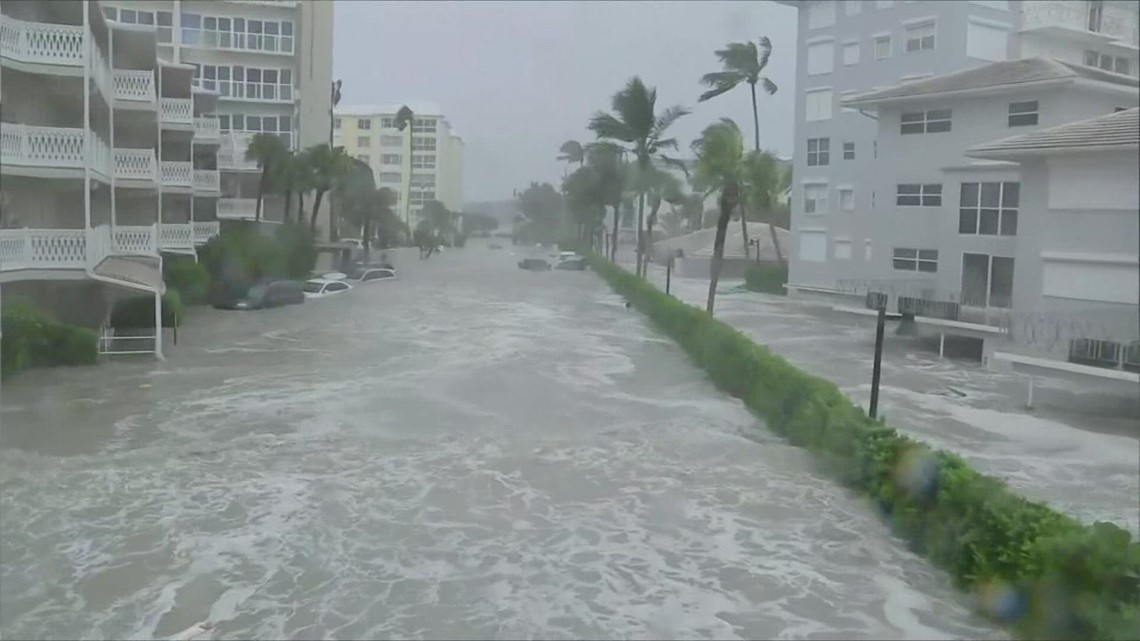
[
  {"x": 264, "y": 295},
  {"x": 534, "y": 264}
]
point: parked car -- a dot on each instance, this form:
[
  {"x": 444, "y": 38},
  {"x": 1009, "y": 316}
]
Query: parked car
[
  {"x": 534, "y": 264},
  {"x": 368, "y": 274},
  {"x": 264, "y": 295},
  {"x": 322, "y": 288},
  {"x": 571, "y": 261},
  {"x": 333, "y": 276}
]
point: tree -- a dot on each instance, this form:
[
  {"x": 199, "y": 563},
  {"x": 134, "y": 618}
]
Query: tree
[
  {"x": 334, "y": 100},
  {"x": 328, "y": 165},
  {"x": 478, "y": 223},
  {"x": 354, "y": 192},
  {"x": 573, "y": 151},
  {"x": 405, "y": 119},
  {"x": 635, "y": 122},
  {"x": 606, "y": 158},
  {"x": 762, "y": 185},
  {"x": 541, "y": 205},
  {"x": 741, "y": 62},
  {"x": 292, "y": 175},
  {"x": 720, "y": 165},
  {"x": 655, "y": 183},
  {"x": 266, "y": 150},
  {"x": 585, "y": 199},
  {"x": 439, "y": 218}
]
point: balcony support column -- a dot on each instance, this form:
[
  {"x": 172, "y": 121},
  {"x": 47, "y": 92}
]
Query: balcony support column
[
  {"x": 88, "y": 134},
  {"x": 111, "y": 117},
  {"x": 158, "y": 324}
]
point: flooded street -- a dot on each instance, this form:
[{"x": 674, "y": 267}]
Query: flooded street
[{"x": 473, "y": 451}]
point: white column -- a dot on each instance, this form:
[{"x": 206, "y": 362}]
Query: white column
[
  {"x": 158, "y": 324},
  {"x": 111, "y": 102},
  {"x": 87, "y": 133}
]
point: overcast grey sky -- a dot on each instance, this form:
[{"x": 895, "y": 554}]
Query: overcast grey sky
[{"x": 516, "y": 79}]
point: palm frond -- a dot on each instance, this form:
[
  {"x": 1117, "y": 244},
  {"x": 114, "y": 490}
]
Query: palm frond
[
  {"x": 717, "y": 91},
  {"x": 768, "y": 85},
  {"x": 764, "y": 52},
  {"x": 634, "y": 105},
  {"x": 666, "y": 119},
  {"x": 605, "y": 125},
  {"x": 664, "y": 143},
  {"x": 674, "y": 163},
  {"x": 740, "y": 57}
]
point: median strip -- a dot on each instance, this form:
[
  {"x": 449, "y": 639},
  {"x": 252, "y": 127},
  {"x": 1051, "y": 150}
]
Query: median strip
[{"x": 1042, "y": 573}]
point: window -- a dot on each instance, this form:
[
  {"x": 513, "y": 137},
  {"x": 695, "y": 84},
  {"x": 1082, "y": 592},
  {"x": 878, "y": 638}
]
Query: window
[
  {"x": 821, "y": 14},
  {"x": 986, "y": 41},
  {"x": 915, "y": 195},
  {"x": 988, "y": 209},
  {"x": 1022, "y": 114},
  {"x": 191, "y": 28},
  {"x": 389, "y": 176},
  {"x": 336, "y": 123},
  {"x": 362, "y": 157},
  {"x": 165, "y": 20},
  {"x": 363, "y": 141},
  {"x": 391, "y": 141},
  {"x": 1106, "y": 62},
  {"x": 390, "y": 159},
  {"x": 423, "y": 161},
  {"x": 1102, "y": 353},
  {"x": 847, "y": 199},
  {"x": 1121, "y": 66},
  {"x": 851, "y": 53},
  {"x": 423, "y": 143},
  {"x": 820, "y": 57},
  {"x": 915, "y": 260},
  {"x": 867, "y": 249},
  {"x": 813, "y": 246},
  {"x": 849, "y": 151},
  {"x": 920, "y": 37},
  {"x": 852, "y": 7},
  {"x": 242, "y": 123},
  {"x": 388, "y": 123},
  {"x": 1096, "y": 15},
  {"x": 423, "y": 181},
  {"x": 818, "y": 152},
  {"x": 987, "y": 281},
  {"x": 843, "y": 249},
  {"x": 882, "y": 47},
  {"x": 815, "y": 199},
  {"x": 925, "y": 122},
  {"x": 363, "y": 123},
  {"x": 817, "y": 103},
  {"x": 423, "y": 125},
  {"x": 110, "y": 13}
]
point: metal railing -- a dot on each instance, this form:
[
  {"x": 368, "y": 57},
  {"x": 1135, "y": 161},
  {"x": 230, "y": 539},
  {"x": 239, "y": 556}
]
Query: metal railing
[
  {"x": 39, "y": 42},
  {"x": 30, "y": 145},
  {"x": 1076, "y": 15},
  {"x": 237, "y": 208},
  {"x": 176, "y": 173},
  {"x": 176, "y": 236},
  {"x": 134, "y": 240},
  {"x": 136, "y": 164},
  {"x": 136, "y": 85}
]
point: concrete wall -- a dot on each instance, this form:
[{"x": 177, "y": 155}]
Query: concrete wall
[{"x": 315, "y": 76}]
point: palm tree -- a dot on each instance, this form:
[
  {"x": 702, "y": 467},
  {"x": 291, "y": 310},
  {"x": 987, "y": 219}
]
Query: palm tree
[
  {"x": 266, "y": 150},
  {"x": 763, "y": 183},
  {"x": 720, "y": 166},
  {"x": 655, "y": 184},
  {"x": 606, "y": 157},
  {"x": 292, "y": 175},
  {"x": 328, "y": 166},
  {"x": 334, "y": 95},
  {"x": 405, "y": 119},
  {"x": 741, "y": 62},
  {"x": 636, "y": 123},
  {"x": 573, "y": 151}
]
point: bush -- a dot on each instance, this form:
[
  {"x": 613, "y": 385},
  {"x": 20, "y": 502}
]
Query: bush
[
  {"x": 1035, "y": 569},
  {"x": 137, "y": 312},
  {"x": 240, "y": 257},
  {"x": 188, "y": 277},
  {"x": 769, "y": 279},
  {"x": 32, "y": 338},
  {"x": 300, "y": 251}
]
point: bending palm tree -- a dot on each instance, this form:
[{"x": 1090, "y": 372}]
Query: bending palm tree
[
  {"x": 573, "y": 151},
  {"x": 720, "y": 167},
  {"x": 266, "y": 150},
  {"x": 743, "y": 62},
  {"x": 328, "y": 166},
  {"x": 404, "y": 120},
  {"x": 634, "y": 121}
]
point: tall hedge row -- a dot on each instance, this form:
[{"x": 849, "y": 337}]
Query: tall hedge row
[
  {"x": 33, "y": 338},
  {"x": 1044, "y": 574}
]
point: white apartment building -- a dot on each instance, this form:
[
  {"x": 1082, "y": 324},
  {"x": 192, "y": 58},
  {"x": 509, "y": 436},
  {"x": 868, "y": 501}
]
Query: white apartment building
[
  {"x": 259, "y": 57},
  {"x": 852, "y": 47},
  {"x": 433, "y": 170}
]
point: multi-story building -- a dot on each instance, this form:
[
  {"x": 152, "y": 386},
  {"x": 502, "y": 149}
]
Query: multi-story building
[
  {"x": 259, "y": 57},
  {"x": 432, "y": 171},
  {"x": 105, "y": 149},
  {"x": 854, "y": 47}
]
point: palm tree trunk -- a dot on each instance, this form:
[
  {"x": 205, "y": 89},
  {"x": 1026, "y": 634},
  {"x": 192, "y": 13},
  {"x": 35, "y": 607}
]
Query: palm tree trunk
[
  {"x": 755, "y": 117},
  {"x": 367, "y": 240},
  {"x": 775, "y": 241},
  {"x": 301, "y": 207},
  {"x": 261, "y": 184},
  {"x": 288, "y": 204},
  {"x": 614, "y": 236},
  {"x": 316, "y": 208},
  {"x": 640, "y": 236},
  {"x": 727, "y": 201}
]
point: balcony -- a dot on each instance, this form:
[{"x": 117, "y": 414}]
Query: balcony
[
  {"x": 176, "y": 173},
  {"x": 237, "y": 208},
  {"x": 135, "y": 85},
  {"x": 1074, "y": 19},
  {"x": 205, "y": 230},
  {"x": 71, "y": 248},
  {"x": 177, "y": 111},
  {"x": 176, "y": 237},
  {"x": 207, "y": 129},
  {"x": 231, "y": 153},
  {"x": 53, "y": 148},
  {"x": 207, "y": 180},
  {"x": 42, "y": 43},
  {"x": 134, "y": 240},
  {"x": 136, "y": 164}
]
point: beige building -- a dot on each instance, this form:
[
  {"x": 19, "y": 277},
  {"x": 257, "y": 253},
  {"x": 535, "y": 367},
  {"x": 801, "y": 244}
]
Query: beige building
[
  {"x": 113, "y": 150},
  {"x": 433, "y": 171}
]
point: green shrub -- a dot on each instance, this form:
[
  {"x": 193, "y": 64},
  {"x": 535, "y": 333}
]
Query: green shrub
[
  {"x": 188, "y": 277},
  {"x": 299, "y": 250},
  {"x": 32, "y": 338},
  {"x": 137, "y": 312},
  {"x": 1039, "y": 571},
  {"x": 769, "y": 279}
]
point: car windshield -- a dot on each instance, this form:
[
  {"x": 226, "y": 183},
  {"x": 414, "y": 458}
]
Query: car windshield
[{"x": 312, "y": 288}]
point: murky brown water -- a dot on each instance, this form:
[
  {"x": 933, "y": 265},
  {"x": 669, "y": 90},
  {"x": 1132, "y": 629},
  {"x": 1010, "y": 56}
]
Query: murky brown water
[{"x": 473, "y": 451}]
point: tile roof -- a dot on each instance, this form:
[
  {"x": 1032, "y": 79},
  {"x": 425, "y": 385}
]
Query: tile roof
[{"x": 1119, "y": 130}]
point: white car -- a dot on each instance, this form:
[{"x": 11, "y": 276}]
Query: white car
[
  {"x": 333, "y": 276},
  {"x": 321, "y": 288},
  {"x": 369, "y": 274}
]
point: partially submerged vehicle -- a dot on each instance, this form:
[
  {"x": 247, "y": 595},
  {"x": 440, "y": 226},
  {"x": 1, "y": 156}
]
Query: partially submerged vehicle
[
  {"x": 264, "y": 295},
  {"x": 366, "y": 274},
  {"x": 534, "y": 264},
  {"x": 323, "y": 288},
  {"x": 571, "y": 261}
]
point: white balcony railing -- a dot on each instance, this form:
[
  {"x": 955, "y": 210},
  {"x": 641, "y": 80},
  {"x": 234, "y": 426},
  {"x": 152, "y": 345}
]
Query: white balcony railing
[
  {"x": 205, "y": 230},
  {"x": 135, "y": 164},
  {"x": 176, "y": 173},
  {"x": 206, "y": 128},
  {"x": 179, "y": 111},
  {"x": 136, "y": 85},
  {"x": 237, "y": 208},
  {"x": 1077, "y": 16},
  {"x": 207, "y": 180},
  {"x": 174, "y": 236},
  {"x": 134, "y": 240},
  {"x": 43, "y": 43},
  {"x": 231, "y": 153},
  {"x": 43, "y": 249},
  {"x": 55, "y": 147}
]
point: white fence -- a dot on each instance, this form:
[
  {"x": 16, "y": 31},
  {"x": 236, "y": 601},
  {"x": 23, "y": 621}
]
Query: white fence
[
  {"x": 237, "y": 208},
  {"x": 54, "y": 147},
  {"x": 135, "y": 164},
  {"x": 205, "y": 230},
  {"x": 176, "y": 173},
  {"x": 176, "y": 236},
  {"x": 44, "y": 43},
  {"x": 207, "y": 128},
  {"x": 136, "y": 85},
  {"x": 135, "y": 240},
  {"x": 179, "y": 111},
  {"x": 207, "y": 180}
]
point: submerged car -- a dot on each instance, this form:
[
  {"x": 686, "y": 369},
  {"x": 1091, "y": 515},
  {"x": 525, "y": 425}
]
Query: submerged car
[
  {"x": 321, "y": 288},
  {"x": 534, "y": 264},
  {"x": 264, "y": 295},
  {"x": 571, "y": 262},
  {"x": 367, "y": 274}
]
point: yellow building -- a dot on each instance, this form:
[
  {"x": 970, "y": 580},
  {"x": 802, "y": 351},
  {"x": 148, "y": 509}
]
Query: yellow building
[{"x": 433, "y": 170}]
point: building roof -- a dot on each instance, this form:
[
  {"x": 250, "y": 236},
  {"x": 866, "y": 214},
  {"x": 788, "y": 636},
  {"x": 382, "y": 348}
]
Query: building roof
[
  {"x": 1120, "y": 130},
  {"x": 999, "y": 75},
  {"x": 418, "y": 107}
]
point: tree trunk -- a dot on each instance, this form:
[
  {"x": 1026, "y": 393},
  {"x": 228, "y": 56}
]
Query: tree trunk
[
  {"x": 334, "y": 228},
  {"x": 640, "y": 232},
  {"x": 367, "y": 240},
  {"x": 614, "y": 235},
  {"x": 301, "y": 207},
  {"x": 288, "y": 204},
  {"x": 755, "y": 117},
  {"x": 649, "y": 234},
  {"x": 261, "y": 184},
  {"x": 775, "y": 242},
  {"x": 316, "y": 208},
  {"x": 728, "y": 201}
]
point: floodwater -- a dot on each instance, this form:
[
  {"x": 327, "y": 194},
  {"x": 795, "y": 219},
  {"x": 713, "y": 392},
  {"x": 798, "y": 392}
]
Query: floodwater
[
  {"x": 473, "y": 451},
  {"x": 1078, "y": 450}
]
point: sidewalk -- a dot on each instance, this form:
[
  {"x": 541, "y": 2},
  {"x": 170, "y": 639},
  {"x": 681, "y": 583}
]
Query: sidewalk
[{"x": 1078, "y": 450}]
